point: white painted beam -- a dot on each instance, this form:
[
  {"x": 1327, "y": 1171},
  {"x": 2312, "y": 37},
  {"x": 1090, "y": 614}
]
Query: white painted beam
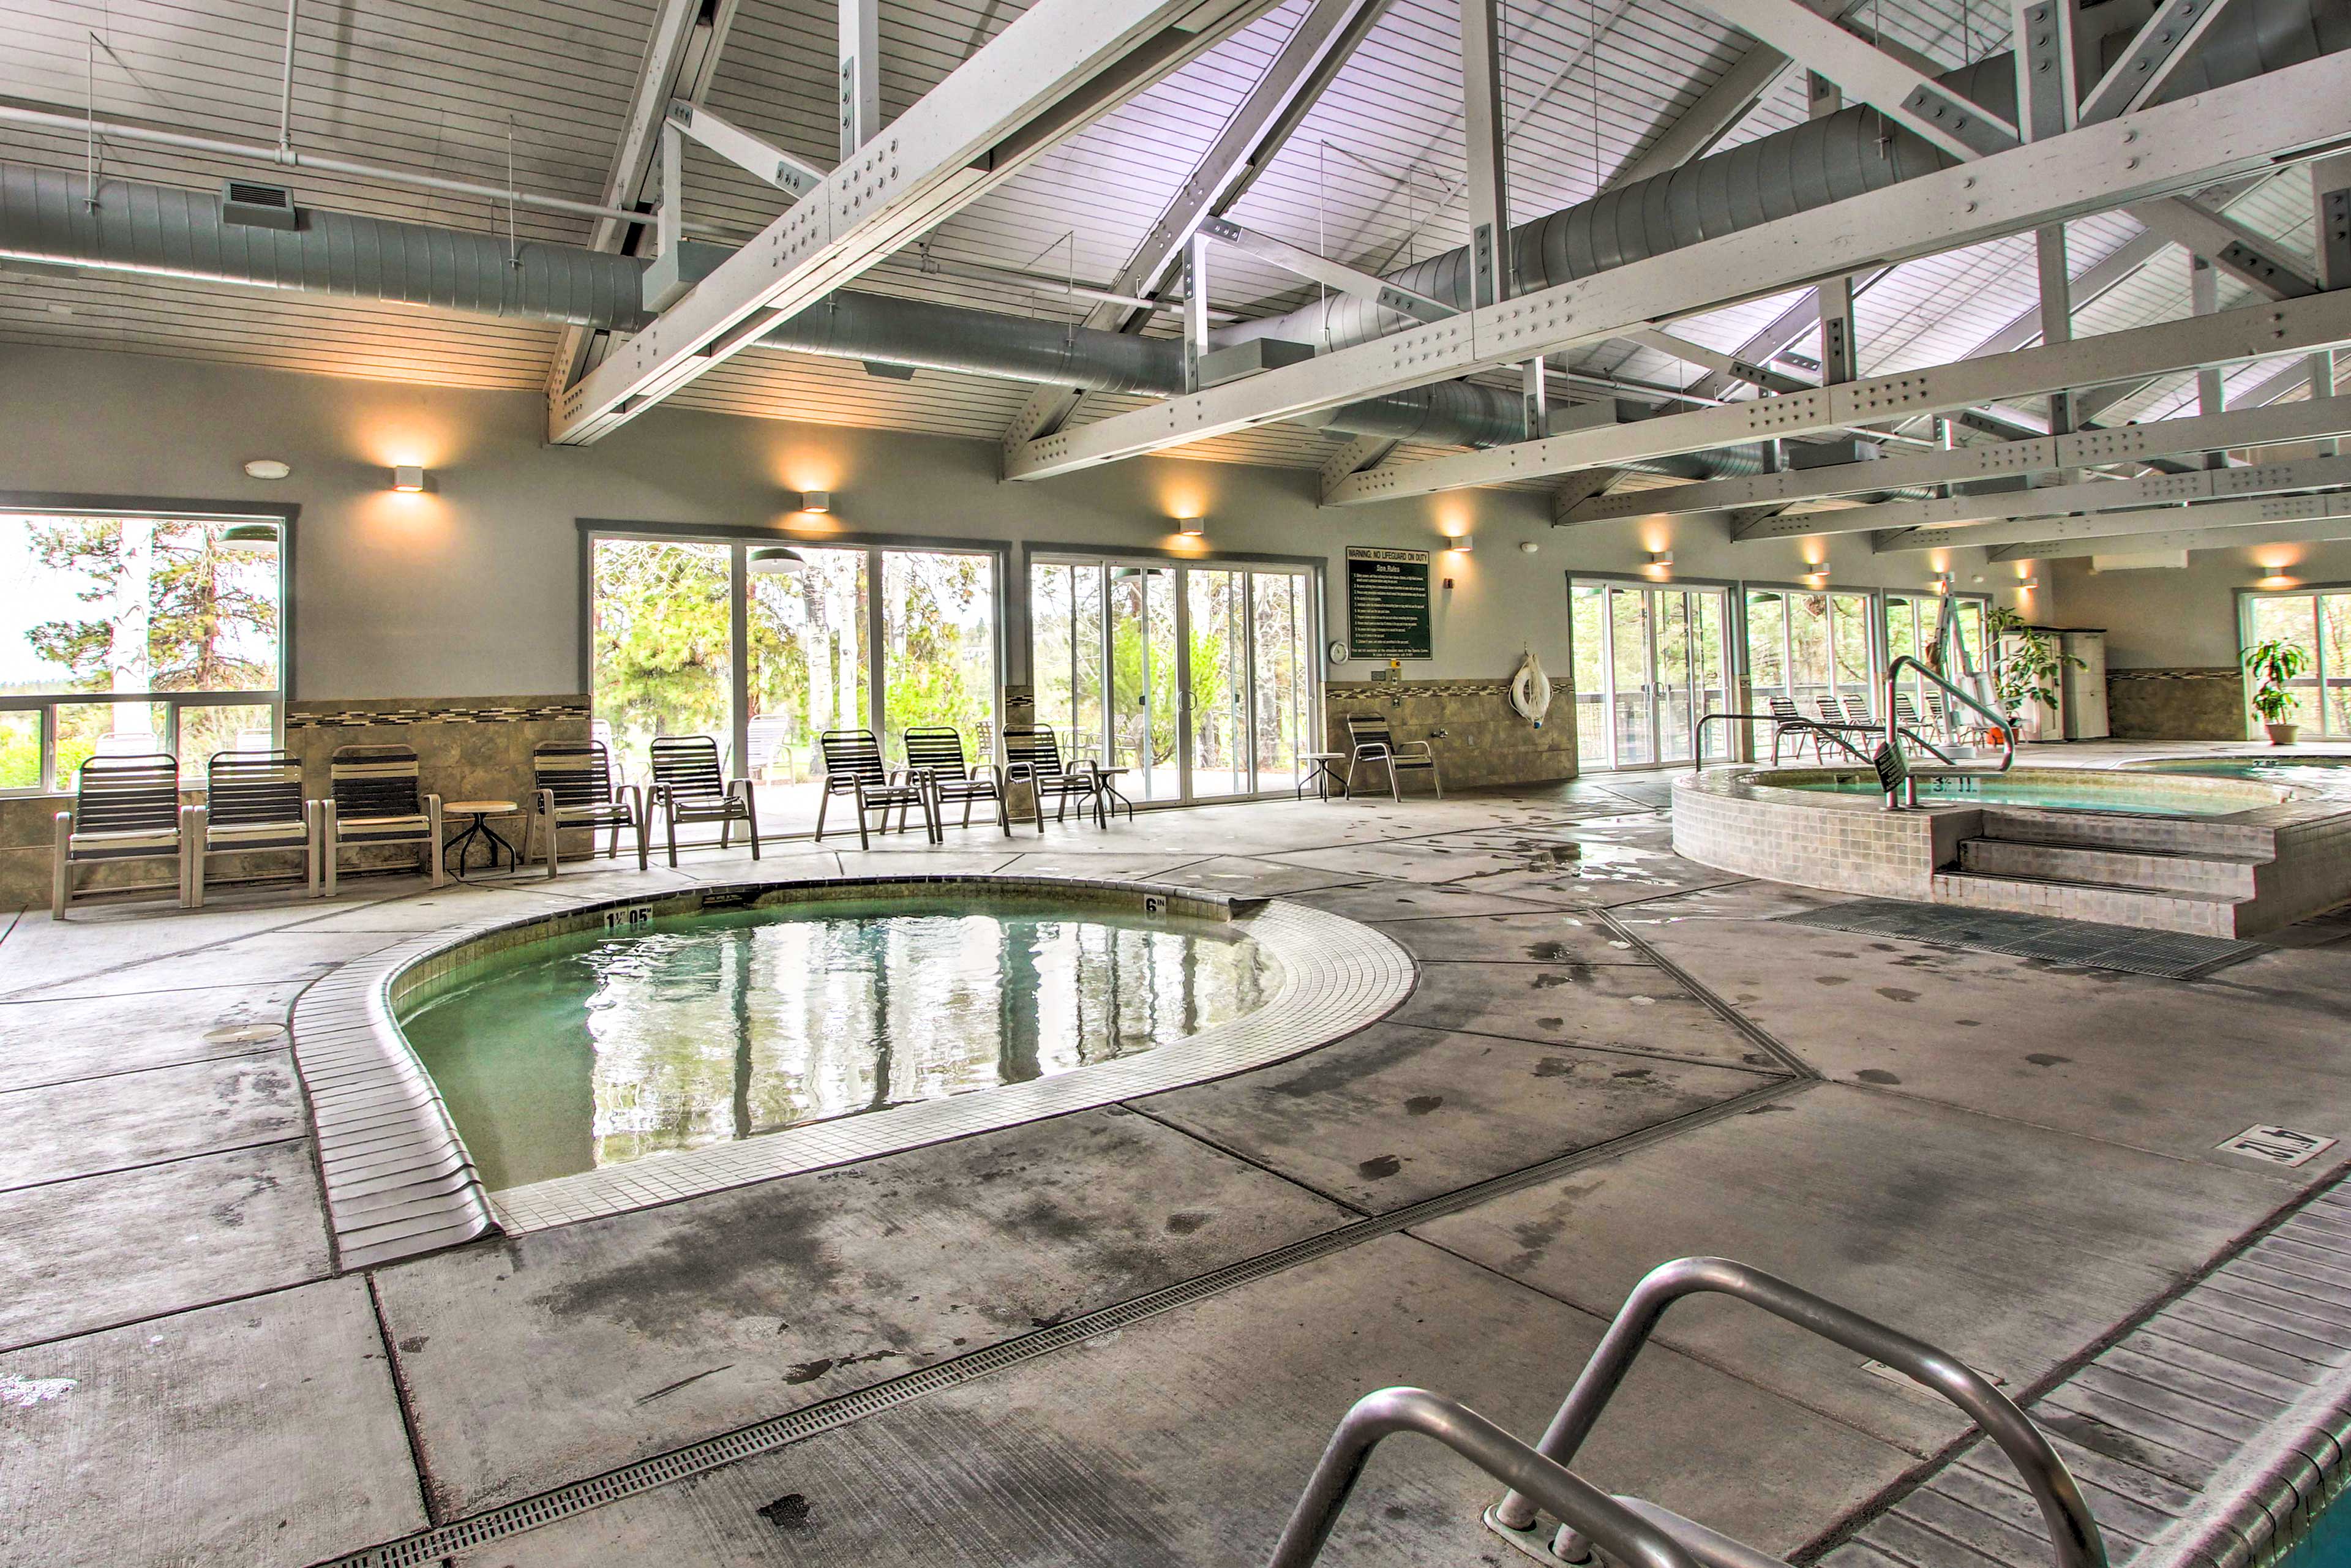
[
  {"x": 1337, "y": 277},
  {"x": 1481, "y": 137},
  {"x": 2256, "y": 332},
  {"x": 1296, "y": 76},
  {"x": 680, "y": 53},
  {"x": 2255, "y": 261},
  {"x": 861, "y": 74},
  {"x": 2161, "y": 46},
  {"x": 2224, "y": 525},
  {"x": 2304, "y": 420},
  {"x": 1061, "y": 65},
  {"x": 2220, "y": 134},
  {"x": 2006, "y": 521},
  {"x": 1709, "y": 117},
  {"x": 1730, "y": 365},
  {"x": 747, "y": 153},
  {"x": 1903, "y": 94}
]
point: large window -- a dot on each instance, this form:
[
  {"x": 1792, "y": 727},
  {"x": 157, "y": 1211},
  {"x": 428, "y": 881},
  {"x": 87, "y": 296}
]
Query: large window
[
  {"x": 1196, "y": 679},
  {"x": 128, "y": 635},
  {"x": 2319, "y": 623},
  {"x": 764, "y": 650}
]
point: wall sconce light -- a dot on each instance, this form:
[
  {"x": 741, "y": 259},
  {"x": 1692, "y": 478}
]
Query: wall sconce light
[
  {"x": 817, "y": 501},
  {"x": 2025, "y": 582},
  {"x": 775, "y": 561},
  {"x": 1661, "y": 559},
  {"x": 409, "y": 478},
  {"x": 268, "y": 468},
  {"x": 249, "y": 538},
  {"x": 1192, "y": 527},
  {"x": 1942, "y": 583},
  {"x": 1817, "y": 578},
  {"x": 1460, "y": 542}
]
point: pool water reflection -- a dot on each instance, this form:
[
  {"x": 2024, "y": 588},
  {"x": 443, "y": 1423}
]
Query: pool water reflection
[{"x": 584, "y": 1052}]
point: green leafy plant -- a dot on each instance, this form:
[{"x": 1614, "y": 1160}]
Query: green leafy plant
[
  {"x": 2271, "y": 665},
  {"x": 2029, "y": 664}
]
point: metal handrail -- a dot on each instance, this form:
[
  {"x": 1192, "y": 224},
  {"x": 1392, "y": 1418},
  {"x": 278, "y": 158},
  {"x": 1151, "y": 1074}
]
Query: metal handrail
[
  {"x": 1697, "y": 740},
  {"x": 2002, "y": 726},
  {"x": 2071, "y": 1530},
  {"x": 1625, "y": 1536}
]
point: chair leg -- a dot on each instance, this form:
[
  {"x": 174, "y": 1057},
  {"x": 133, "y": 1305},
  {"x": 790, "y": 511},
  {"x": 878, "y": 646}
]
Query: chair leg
[
  {"x": 751, "y": 819},
  {"x": 823, "y": 802},
  {"x": 865, "y": 840},
  {"x": 931, "y": 829},
  {"x": 61, "y": 874},
  {"x": 435, "y": 864},
  {"x": 1003, "y": 813},
  {"x": 637, "y": 820},
  {"x": 1434, "y": 783},
  {"x": 310, "y": 844},
  {"x": 191, "y": 857},
  {"x": 669, "y": 812}
]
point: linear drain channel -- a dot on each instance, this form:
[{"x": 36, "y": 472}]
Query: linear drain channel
[{"x": 431, "y": 1547}]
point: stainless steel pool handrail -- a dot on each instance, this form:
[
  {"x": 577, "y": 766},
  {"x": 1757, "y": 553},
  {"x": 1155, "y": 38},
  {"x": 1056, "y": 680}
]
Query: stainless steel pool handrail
[
  {"x": 2002, "y": 724},
  {"x": 2072, "y": 1530},
  {"x": 1625, "y": 1536}
]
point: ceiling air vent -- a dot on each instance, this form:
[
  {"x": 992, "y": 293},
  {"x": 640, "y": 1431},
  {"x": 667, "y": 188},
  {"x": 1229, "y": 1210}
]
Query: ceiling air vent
[{"x": 257, "y": 206}]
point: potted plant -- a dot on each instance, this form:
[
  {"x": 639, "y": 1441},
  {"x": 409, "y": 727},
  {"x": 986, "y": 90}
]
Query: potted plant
[
  {"x": 2026, "y": 670},
  {"x": 2270, "y": 665}
]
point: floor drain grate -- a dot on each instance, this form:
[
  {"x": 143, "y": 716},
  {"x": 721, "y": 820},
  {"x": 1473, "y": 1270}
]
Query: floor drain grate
[
  {"x": 432, "y": 1547},
  {"x": 2165, "y": 954}
]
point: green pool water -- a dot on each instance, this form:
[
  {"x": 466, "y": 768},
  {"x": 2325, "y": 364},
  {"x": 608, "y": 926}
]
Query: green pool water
[
  {"x": 584, "y": 1052},
  {"x": 2304, "y": 775},
  {"x": 2140, "y": 798}
]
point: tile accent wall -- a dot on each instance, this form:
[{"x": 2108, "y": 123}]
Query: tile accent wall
[
  {"x": 1485, "y": 740},
  {"x": 1846, "y": 844},
  {"x": 2177, "y": 704}
]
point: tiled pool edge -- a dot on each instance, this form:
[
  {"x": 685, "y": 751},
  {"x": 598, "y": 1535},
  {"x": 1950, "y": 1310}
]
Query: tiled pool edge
[
  {"x": 399, "y": 1183},
  {"x": 2168, "y": 1492}
]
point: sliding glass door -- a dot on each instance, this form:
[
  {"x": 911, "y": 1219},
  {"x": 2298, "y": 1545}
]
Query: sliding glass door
[
  {"x": 1650, "y": 663},
  {"x": 764, "y": 651},
  {"x": 1198, "y": 679}
]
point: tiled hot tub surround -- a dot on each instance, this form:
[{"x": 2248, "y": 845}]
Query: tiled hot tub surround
[
  {"x": 399, "y": 1181},
  {"x": 2298, "y": 849}
]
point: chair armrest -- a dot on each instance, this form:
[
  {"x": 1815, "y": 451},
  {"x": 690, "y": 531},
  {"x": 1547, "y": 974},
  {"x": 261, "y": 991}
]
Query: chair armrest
[
  {"x": 431, "y": 805},
  {"x": 1418, "y": 747},
  {"x": 543, "y": 801},
  {"x": 1368, "y": 750}
]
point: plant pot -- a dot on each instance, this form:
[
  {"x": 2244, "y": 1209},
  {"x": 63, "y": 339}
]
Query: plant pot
[{"x": 2282, "y": 734}]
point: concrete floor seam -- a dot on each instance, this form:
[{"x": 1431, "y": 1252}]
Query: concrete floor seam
[
  {"x": 831, "y": 1414},
  {"x": 406, "y": 1403},
  {"x": 1722, "y": 1008},
  {"x": 207, "y": 1154},
  {"x": 1136, "y": 1108},
  {"x": 1635, "y": 1053}
]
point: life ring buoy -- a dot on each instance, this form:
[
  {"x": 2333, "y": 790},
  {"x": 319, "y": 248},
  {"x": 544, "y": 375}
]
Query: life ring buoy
[{"x": 1530, "y": 690}]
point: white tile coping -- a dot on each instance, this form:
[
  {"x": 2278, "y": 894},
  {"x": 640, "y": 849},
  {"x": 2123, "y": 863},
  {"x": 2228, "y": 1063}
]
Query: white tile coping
[{"x": 399, "y": 1181}]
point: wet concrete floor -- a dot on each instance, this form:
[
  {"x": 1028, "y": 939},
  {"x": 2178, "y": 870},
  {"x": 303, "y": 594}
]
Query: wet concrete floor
[{"x": 2006, "y": 1157}]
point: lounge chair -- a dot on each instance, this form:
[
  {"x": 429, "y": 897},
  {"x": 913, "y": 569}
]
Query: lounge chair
[
  {"x": 1033, "y": 757},
  {"x": 573, "y": 788},
  {"x": 252, "y": 801},
  {"x": 1370, "y": 741},
  {"x": 765, "y": 743},
  {"x": 935, "y": 761},
  {"x": 853, "y": 767},
  {"x": 1788, "y": 725},
  {"x": 690, "y": 787},
  {"x": 125, "y": 808},
  {"x": 373, "y": 799}
]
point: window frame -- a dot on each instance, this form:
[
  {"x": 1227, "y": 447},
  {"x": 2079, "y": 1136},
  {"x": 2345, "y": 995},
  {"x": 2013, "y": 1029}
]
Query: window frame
[
  {"x": 2322, "y": 675},
  {"x": 51, "y": 503}
]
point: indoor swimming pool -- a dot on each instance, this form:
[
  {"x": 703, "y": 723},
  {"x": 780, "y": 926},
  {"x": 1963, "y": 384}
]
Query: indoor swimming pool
[
  {"x": 2061, "y": 789},
  {"x": 683, "y": 1032},
  {"x": 2308, "y": 774}
]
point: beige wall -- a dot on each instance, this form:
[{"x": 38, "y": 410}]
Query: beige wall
[
  {"x": 472, "y": 590},
  {"x": 2185, "y": 620}
]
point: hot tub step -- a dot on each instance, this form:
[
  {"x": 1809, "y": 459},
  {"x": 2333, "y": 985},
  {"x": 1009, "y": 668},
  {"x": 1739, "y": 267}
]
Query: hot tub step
[
  {"x": 2205, "y": 914},
  {"x": 2155, "y": 871},
  {"x": 2136, "y": 835}
]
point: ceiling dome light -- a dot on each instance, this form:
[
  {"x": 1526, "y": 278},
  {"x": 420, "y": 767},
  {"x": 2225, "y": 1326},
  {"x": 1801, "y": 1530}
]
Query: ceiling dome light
[
  {"x": 775, "y": 561},
  {"x": 268, "y": 468},
  {"x": 252, "y": 538}
]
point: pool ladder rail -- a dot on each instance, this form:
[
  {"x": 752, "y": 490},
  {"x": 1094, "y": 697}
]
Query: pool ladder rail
[{"x": 1587, "y": 1525}]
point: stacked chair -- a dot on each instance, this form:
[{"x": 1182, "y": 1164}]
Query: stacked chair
[{"x": 571, "y": 787}]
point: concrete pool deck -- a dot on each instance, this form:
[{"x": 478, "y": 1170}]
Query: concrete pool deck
[{"x": 1140, "y": 1321}]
